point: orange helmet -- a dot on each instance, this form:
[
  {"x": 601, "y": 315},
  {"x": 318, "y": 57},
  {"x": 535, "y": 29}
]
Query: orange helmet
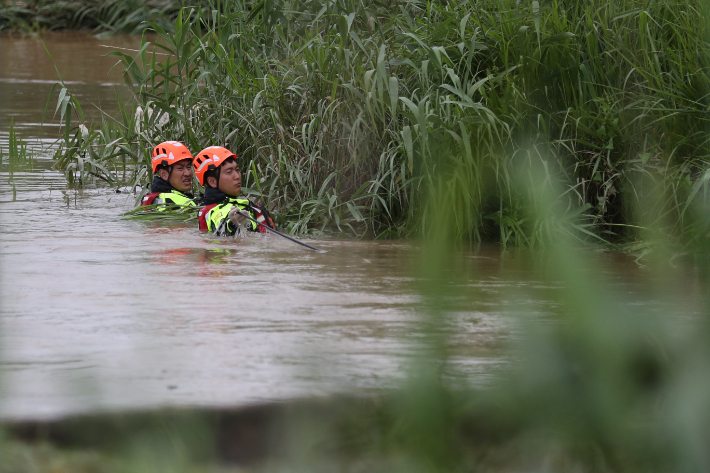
[
  {"x": 169, "y": 153},
  {"x": 208, "y": 159}
]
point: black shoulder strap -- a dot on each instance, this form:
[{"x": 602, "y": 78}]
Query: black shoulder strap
[{"x": 262, "y": 210}]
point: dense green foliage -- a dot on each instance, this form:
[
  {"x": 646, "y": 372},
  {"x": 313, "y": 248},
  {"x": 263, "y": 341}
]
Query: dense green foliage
[{"x": 373, "y": 116}]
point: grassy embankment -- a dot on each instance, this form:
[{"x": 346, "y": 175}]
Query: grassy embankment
[{"x": 371, "y": 116}]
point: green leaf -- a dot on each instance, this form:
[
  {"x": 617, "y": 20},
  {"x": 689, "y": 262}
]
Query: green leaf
[
  {"x": 65, "y": 102},
  {"x": 350, "y": 19},
  {"x": 704, "y": 180},
  {"x": 628, "y": 13},
  {"x": 412, "y": 106},
  {"x": 355, "y": 212},
  {"x": 462, "y": 26},
  {"x": 536, "y": 18},
  {"x": 62, "y": 93},
  {"x": 560, "y": 37},
  {"x": 394, "y": 94},
  {"x": 466, "y": 142},
  {"x": 357, "y": 40},
  {"x": 408, "y": 146},
  {"x": 344, "y": 30}
]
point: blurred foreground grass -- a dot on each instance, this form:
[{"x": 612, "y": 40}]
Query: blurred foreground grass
[{"x": 16, "y": 456}]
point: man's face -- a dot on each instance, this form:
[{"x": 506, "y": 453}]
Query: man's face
[
  {"x": 230, "y": 179},
  {"x": 181, "y": 177}
]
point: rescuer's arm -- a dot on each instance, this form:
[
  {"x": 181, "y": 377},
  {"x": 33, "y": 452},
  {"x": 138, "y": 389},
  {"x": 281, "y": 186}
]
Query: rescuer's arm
[
  {"x": 219, "y": 221},
  {"x": 236, "y": 216}
]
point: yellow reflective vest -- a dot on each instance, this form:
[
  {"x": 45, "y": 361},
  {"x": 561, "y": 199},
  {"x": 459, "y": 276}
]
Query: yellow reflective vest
[
  {"x": 166, "y": 199},
  {"x": 215, "y": 218}
]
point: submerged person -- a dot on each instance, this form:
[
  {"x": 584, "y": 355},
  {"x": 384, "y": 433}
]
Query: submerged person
[
  {"x": 172, "y": 181},
  {"x": 223, "y": 214}
]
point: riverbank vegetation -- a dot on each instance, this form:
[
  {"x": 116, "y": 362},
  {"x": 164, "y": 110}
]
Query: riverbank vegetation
[
  {"x": 113, "y": 16},
  {"x": 370, "y": 117}
]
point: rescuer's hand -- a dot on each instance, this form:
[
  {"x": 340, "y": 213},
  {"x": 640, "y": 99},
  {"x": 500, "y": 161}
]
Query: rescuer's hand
[{"x": 236, "y": 217}]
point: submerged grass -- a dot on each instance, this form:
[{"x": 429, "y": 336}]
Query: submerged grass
[
  {"x": 17, "y": 154},
  {"x": 160, "y": 212},
  {"x": 363, "y": 116}
]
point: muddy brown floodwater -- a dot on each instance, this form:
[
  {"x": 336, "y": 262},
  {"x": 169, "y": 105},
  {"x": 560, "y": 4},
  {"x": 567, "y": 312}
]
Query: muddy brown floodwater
[{"x": 100, "y": 313}]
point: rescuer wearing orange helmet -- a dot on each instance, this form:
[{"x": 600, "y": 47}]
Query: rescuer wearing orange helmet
[
  {"x": 172, "y": 181},
  {"x": 216, "y": 169}
]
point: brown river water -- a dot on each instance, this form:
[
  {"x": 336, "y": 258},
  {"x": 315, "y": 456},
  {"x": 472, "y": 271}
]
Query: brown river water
[{"x": 101, "y": 313}]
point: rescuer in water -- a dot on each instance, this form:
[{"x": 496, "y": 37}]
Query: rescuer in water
[
  {"x": 216, "y": 169},
  {"x": 172, "y": 181}
]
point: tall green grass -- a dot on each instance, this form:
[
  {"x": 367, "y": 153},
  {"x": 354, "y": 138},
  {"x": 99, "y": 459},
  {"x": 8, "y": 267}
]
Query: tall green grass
[{"x": 367, "y": 117}]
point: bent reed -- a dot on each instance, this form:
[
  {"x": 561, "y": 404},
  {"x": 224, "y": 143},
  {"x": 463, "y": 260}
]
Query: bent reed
[{"x": 371, "y": 116}]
